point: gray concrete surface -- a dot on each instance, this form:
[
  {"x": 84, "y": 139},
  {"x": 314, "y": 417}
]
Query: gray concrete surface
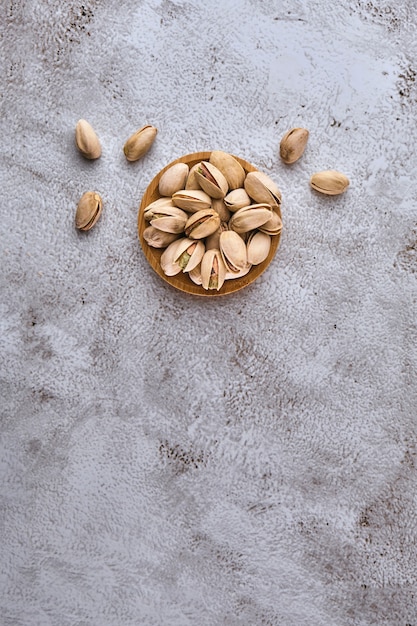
[{"x": 174, "y": 461}]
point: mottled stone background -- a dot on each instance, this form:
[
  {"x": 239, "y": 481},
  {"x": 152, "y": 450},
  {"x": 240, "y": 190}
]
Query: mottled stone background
[{"x": 174, "y": 461}]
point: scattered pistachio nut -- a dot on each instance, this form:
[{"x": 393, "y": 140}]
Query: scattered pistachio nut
[
  {"x": 213, "y": 270},
  {"x": 211, "y": 180},
  {"x": 140, "y": 142},
  {"x": 86, "y": 140},
  {"x": 250, "y": 217},
  {"x": 261, "y": 188},
  {"x": 293, "y": 144},
  {"x": 233, "y": 251},
  {"x": 202, "y": 224},
  {"x": 329, "y": 182},
  {"x": 88, "y": 211}
]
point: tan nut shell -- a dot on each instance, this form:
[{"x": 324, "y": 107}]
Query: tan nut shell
[
  {"x": 233, "y": 251},
  {"x": 140, "y": 142},
  {"x": 213, "y": 270},
  {"x": 191, "y": 180},
  {"x": 250, "y": 217},
  {"x": 236, "y": 199},
  {"x": 86, "y": 140},
  {"x": 88, "y": 211},
  {"x": 293, "y": 144},
  {"x": 158, "y": 238},
  {"x": 202, "y": 224},
  {"x": 169, "y": 219},
  {"x": 229, "y": 167},
  {"x": 155, "y": 206},
  {"x": 173, "y": 179},
  {"x": 261, "y": 188},
  {"x": 211, "y": 180},
  {"x": 219, "y": 206},
  {"x": 273, "y": 226},
  {"x": 191, "y": 200},
  {"x": 258, "y": 247},
  {"x": 329, "y": 182}
]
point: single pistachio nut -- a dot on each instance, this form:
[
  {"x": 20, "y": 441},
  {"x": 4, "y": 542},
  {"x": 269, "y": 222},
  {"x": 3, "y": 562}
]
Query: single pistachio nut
[
  {"x": 250, "y": 217},
  {"x": 202, "y": 224},
  {"x": 219, "y": 206},
  {"x": 86, "y": 140},
  {"x": 211, "y": 180},
  {"x": 191, "y": 180},
  {"x": 273, "y": 226},
  {"x": 245, "y": 270},
  {"x": 158, "y": 238},
  {"x": 173, "y": 179},
  {"x": 183, "y": 253},
  {"x": 229, "y": 167},
  {"x": 233, "y": 251},
  {"x": 191, "y": 200},
  {"x": 139, "y": 143},
  {"x": 169, "y": 219},
  {"x": 236, "y": 199},
  {"x": 261, "y": 188},
  {"x": 329, "y": 182},
  {"x": 258, "y": 247},
  {"x": 154, "y": 207},
  {"x": 88, "y": 211},
  {"x": 213, "y": 270},
  {"x": 213, "y": 241},
  {"x": 293, "y": 144}
]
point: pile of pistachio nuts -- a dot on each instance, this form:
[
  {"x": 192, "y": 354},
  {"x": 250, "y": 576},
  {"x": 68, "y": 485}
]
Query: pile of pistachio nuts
[{"x": 214, "y": 220}]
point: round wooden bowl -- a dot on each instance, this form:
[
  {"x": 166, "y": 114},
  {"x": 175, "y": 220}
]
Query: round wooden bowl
[{"x": 182, "y": 281}]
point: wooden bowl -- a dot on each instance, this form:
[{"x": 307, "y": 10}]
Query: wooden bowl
[{"x": 182, "y": 281}]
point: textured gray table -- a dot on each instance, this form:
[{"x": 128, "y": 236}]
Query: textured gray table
[{"x": 174, "y": 461}]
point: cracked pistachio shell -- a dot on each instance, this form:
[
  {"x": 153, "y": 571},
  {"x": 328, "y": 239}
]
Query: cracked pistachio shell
[
  {"x": 245, "y": 270},
  {"x": 250, "y": 217},
  {"x": 202, "y": 224},
  {"x": 195, "y": 275},
  {"x": 233, "y": 251},
  {"x": 211, "y": 180},
  {"x": 236, "y": 199},
  {"x": 213, "y": 270},
  {"x": 273, "y": 226},
  {"x": 229, "y": 167},
  {"x": 169, "y": 220},
  {"x": 258, "y": 247},
  {"x": 183, "y": 253},
  {"x": 191, "y": 200},
  {"x": 173, "y": 179},
  {"x": 329, "y": 182},
  {"x": 212, "y": 241},
  {"x": 158, "y": 238},
  {"x": 293, "y": 144},
  {"x": 88, "y": 210},
  {"x": 154, "y": 207},
  {"x": 261, "y": 188},
  {"x": 87, "y": 141},
  {"x": 191, "y": 180},
  {"x": 140, "y": 142},
  {"x": 168, "y": 265}
]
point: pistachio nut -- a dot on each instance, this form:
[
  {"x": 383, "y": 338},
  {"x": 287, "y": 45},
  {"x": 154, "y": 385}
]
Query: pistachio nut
[
  {"x": 293, "y": 144},
  {"x": 250, "y": 217},
  {"x": 191, "y": 180},
  {"x": 88, "y": 210},
  {"x": 183, "y": 253},
  {"x": 219, "y": 206},
  {"x": 261, "y": 188},
  {"x": 258, "y": 247},
  {"x": 202, "y": 224},
  {"x": 236, "y": 199},
  {"x": 229, "y": 167},
  {"x": 154, "y": 207},
  {"x": 158, "y": 238},
  {"x": 213, "y": 270},
  {"x": 173, "y": 179},
  {"x": 191, "y": 200},
  {"x": 139, "y": 143},
  {"x": 273, "y": 226},
  {"x": 169, "y": 219},
  {"x": 245, "y": 270},
  {"x": 211, "y": 180},
  {"x": 86, "y": 140},
  {"x": 329, "y": 182},
  {"x": 233, "y": 251}
]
